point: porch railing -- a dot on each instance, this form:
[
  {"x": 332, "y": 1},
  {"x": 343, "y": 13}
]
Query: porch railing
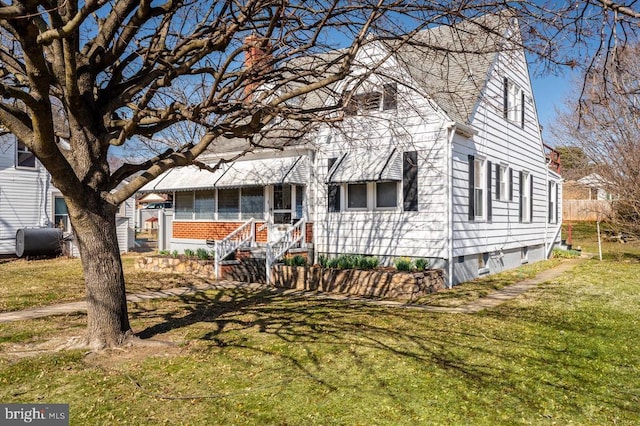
[
  {"x": 294, "y": 237},
  {"x": 245, "y": 234}
]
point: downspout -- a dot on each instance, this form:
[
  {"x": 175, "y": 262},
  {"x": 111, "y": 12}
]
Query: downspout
[
  {"x": 449, "y": 196},
  {"x": 546, "y": 221}
]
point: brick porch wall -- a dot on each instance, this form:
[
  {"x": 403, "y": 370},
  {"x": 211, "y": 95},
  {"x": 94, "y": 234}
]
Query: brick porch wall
[{"x": 218, "y": 230}]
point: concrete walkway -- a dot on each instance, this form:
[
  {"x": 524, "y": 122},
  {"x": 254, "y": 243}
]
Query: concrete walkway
[{"x": 487, "y": 302}]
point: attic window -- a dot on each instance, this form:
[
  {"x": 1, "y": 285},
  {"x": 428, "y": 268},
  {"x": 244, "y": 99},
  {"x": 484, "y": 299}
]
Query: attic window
[
  {"x": 24, "y": 157},
  {"x": 513, "y": 103},
  {"x": 373, "y": 101}
]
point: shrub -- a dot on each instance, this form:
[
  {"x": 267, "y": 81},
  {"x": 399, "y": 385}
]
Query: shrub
[
  {"x": 202, "y": 254},
  {"x": 403, "y": 264},
  {"x": 296, "y": 260},
  {"x": 422, "y": 264},
  {"x": 368, "y": 262},
  {"x": 565, "y": 254},
  {"x": 163, "y": 252},
  {"x": 323, "y": 260},
  {"x": 332, "y": 263},
  {"x": 347, "y": 261},
  {"x": 174, "y": 254},
  {"x": 189, "y": 253}
]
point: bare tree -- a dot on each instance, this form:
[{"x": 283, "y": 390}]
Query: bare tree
[
  {"x": 605, "y": 127},
  {"x": 97, "y": 75}
]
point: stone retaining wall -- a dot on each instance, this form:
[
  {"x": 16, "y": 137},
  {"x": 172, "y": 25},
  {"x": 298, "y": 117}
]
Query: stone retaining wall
[
  {"x": 182, "y": 265},
  {"x": 371, "y": 283}
]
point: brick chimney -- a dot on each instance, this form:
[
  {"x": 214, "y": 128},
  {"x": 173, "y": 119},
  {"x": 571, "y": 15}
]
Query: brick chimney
[{"x": 256, "y": 61}]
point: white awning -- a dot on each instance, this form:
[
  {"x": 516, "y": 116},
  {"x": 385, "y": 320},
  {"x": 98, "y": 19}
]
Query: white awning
[
  {"x": 271, "y": 171},
  {"x": 183, "y": 179},
  {"x": 367, "y": 166}
]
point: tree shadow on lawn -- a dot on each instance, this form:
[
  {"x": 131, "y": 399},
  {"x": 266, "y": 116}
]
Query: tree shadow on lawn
[{"x": 484, "y": 359}]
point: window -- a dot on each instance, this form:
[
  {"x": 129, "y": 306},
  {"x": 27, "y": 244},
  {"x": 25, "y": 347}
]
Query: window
[
  {"x": 184, "y": 206},
  {"x": 228, "y": 203},
  {"x": 204, "y": 205},
  {"x": 479, "y": 187},
  {"x": 24, "y": 157},
  {"x": 553, "y": 202},
  {"x": 483, "y": 260},
  {"x": 61, "y": 215},
  {"x": 357, "y": 196},
  {"x": 363, "y": 102},
  {"x": 410, "y": 181},
  {"x": 513, "y": 103},
  {"x": 282, "y": 197},
  {"x": 299, "y": 201},
  {"x": 252, "y": 203},
  {"x": 386, "y": 195},
  {"x": 526, "y": 190},
  {"x": 373, "y": 100},
  {"x": 503, "y": 183},
  {"x": 282, "y": 204}
]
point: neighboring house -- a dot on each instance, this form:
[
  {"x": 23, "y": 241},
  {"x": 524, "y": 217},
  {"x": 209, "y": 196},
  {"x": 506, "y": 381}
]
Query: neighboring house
[
  {"x": 586, "y": 199},
  {"x": 29, "y": 200},
  {"x": 437, "y": 157}
]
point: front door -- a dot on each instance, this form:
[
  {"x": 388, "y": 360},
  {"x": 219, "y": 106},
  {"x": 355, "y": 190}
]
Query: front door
[{"x": 287, "y": 201}]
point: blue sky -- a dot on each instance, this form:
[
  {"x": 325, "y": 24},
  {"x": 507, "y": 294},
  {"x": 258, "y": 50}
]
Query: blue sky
[{"x": 550, "y": 93}]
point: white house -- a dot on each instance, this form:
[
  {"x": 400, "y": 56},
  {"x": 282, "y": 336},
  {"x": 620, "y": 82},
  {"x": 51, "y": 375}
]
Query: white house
[
  {"x": 29, "y": 200},
  {"x": 438, "y": 156}
]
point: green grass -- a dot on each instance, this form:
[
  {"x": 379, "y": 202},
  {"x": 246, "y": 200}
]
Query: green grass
[
  {"x": 27, "y": 284},
  {"x": 564, "y": 353}
]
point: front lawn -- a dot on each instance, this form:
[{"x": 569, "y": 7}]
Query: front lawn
[
  {"x": 565, "y": 353},
  {"x": 31, "y": 283}
]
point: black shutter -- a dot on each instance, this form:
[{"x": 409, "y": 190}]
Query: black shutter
[
  {"x": 531, "y": 198},
  {"x": 333, "y": 191},
  {"x": 557, "y": 206},
  {"x": 505, "y": 98},
  {"x": 550, "y": 213},
  {"x": 510, "y": 184},
  {"x": 489, "y": 205},
  {"x": 522, "y": 110},
  {"x": 389, "y": 96},
  {"x": 472, "y": 213},
  {"x": 520, "y": 192},
  {"x": 498, "y": 194},
  {"x": 410, "y": 181}
]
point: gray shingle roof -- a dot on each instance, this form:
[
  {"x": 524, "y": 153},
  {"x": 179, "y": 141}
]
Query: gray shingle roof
[{"x": 451, "y": 63}]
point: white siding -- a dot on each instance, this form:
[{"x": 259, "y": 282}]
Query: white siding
[
  {"x": 24, "y": 196},
  {"x": 415, "y": 126},
  {"x": 503, "y": 142}
]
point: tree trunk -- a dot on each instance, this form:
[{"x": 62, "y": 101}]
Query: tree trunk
[{"x": 108, "y": 322}]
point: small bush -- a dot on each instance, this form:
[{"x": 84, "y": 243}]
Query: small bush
[
  {"x": 296, "y": 260},
  {"x": 189, "y": 253},
  {"x": 347, "y": 261},
  {"x": 403, "y": 264},
  {"x": 422, "y": 264},
  {"x": 202, "y": 254},
  {"x": 565, "y": 254},
  {"x": 163, "y": 252},
  {"x": 174, "y": 254},
  {"x": 323, "y": 260},
  {"x": 332, "y": 263},
  {"x": 368, "y": 262}
]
